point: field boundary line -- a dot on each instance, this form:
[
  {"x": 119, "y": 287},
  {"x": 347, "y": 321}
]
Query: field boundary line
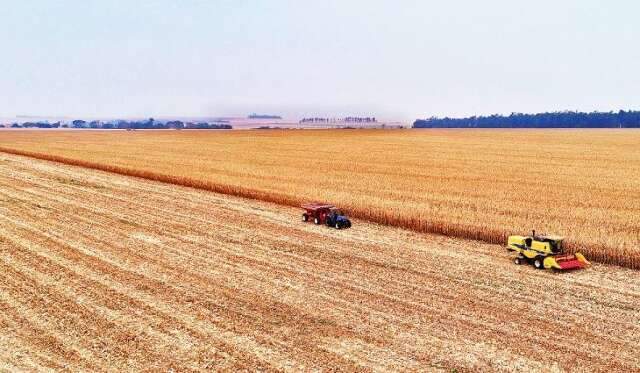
[
  {"x": 164, "y": 178},
  {"x": 595, "y": 252}
]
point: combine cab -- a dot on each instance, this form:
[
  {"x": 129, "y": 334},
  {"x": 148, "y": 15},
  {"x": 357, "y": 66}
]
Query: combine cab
[
  {"x": 544, "y": 252},
  {"x": 325, "y": 214}
]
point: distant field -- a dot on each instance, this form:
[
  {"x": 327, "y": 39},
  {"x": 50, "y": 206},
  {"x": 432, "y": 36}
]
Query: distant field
[{"x": 481, "y": 184}]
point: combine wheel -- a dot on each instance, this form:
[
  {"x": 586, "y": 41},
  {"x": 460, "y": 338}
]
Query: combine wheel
[
  {"x": 539, "y": 263},
  {"x": 305, "y": 217},
  {"x": 518, "y": 260},
  {"x": 316, "y": 221}
]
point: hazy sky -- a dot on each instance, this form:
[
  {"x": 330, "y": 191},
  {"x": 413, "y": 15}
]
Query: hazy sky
[{"x": 392, "y": 59}]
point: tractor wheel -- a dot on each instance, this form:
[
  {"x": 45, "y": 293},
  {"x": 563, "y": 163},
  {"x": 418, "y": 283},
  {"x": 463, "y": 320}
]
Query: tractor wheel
[
  {"x": 316, "y": 220},
  {"x": 305, "y": 217},
  {"x": 518, "y": 260},
  {"x": 338, "y": 226},
  {"x": 538, "y": 263}
]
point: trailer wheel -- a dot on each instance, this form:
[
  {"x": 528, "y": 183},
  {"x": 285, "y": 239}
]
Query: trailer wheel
[
  {"x": 517, "y": 260},
  {"x": 539, "y": 263},
  {"x": 305, "y": 217},
  {"x": 316, "y": 220}
]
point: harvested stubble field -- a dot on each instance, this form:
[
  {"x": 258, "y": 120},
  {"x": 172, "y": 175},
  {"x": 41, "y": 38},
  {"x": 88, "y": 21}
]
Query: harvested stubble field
[
  {"x": 478, "y": 184},
  {"x": 106, "y": 272}
]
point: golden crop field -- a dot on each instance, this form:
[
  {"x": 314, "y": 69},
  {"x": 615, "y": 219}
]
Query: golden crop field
[
  {"x": 103, "y": 272},
  {"x": 479, "y": 184}
]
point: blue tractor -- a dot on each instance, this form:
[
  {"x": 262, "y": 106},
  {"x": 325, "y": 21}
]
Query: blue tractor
[{"x": 325, "y": 214}]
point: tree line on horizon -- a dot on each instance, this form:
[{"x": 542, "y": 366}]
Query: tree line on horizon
[
  {"x": 124, "y": 124},
  {"x": 560, "y": 119}
]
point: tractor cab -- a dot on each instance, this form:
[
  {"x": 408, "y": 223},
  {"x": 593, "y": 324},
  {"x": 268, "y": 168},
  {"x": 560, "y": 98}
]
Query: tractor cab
[
  {"x": 335, "y": 212},
  {"x": 545, "y": 244},
  {"x": 554, "y": 243},
  {"x": 337, "y": 218}
]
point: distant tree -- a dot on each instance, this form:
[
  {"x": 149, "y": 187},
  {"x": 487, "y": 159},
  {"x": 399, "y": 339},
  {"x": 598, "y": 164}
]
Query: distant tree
[
  {"x": 175, "y": 124},
  {"x": 36, "y": 125},
  {"x": 78, "y": 123},
  {"x": 16, "y": 125}
]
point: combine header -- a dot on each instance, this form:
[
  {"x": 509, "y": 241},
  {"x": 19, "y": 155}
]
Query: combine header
[
  {"x": 544, "y": 252},
  {"x": 325, "y": 214}
]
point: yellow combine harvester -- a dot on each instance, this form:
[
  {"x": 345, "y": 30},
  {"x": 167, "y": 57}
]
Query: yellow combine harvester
[{"x": 544, "y": 252}]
